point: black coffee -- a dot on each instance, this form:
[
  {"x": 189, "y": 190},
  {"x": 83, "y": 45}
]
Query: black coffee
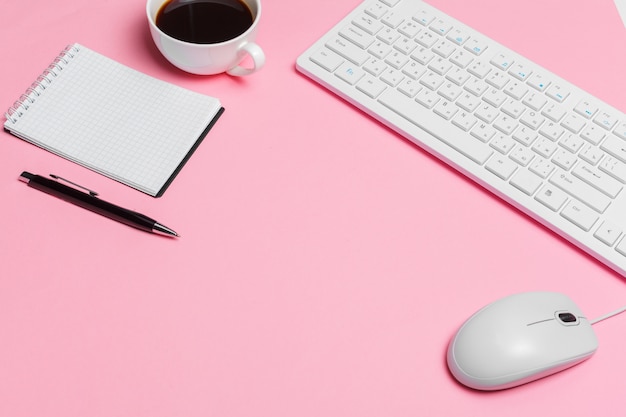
[{"x": 204, "y": 21}]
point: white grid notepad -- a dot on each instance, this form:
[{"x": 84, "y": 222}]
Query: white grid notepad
[{"x": 112, "y": 119}]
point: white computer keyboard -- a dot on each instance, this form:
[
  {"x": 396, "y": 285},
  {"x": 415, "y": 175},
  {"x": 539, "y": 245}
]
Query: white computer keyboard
[{"x": 547, "y": 147}]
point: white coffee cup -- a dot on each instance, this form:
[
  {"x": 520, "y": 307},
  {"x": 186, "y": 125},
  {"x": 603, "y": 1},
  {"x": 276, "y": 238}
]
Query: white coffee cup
[{"x": 210, "y": 58}]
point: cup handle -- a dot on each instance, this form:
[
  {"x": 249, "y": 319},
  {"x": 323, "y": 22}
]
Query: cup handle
[{"x": 258, "y": 58}]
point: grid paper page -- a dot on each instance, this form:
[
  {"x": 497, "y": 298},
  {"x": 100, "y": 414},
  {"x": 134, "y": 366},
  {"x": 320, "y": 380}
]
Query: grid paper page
[{"x": 115, "y": 120}]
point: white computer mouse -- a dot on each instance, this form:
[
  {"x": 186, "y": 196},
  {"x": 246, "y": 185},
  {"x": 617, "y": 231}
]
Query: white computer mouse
[{"x": 519, "y": 339}]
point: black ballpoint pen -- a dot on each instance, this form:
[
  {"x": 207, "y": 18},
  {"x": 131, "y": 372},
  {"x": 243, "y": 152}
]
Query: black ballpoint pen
[{"x": 91, "y": 202}]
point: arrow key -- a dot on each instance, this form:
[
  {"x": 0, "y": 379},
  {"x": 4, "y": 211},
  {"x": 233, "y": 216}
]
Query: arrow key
[{"x": 608, "y": 233}]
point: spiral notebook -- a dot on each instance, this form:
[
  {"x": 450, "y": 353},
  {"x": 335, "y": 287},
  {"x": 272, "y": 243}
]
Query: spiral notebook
[{"x": 112, "y": 119}]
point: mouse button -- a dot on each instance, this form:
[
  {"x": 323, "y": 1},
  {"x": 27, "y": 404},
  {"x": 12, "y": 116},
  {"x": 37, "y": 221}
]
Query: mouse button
[
  {"x": 490, "y": 347},
  {"x": 563, "y": 342},
  {"x": 528, "y": 307}
]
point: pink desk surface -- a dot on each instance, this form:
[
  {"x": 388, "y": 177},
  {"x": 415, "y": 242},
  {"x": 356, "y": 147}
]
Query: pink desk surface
[{"x": 324, "y": 261}]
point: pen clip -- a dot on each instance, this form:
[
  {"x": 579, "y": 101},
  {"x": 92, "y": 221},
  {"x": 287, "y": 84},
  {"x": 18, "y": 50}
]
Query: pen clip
[{"x": 91, "y": 192}]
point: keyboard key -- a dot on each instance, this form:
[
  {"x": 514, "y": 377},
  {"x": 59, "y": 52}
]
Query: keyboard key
[
  {"x": 378, "y": 49},
  {"x": 458, "y": 76},
  {"x": 487, "y": 113},
  {"x": 516, "y": 89},
  {"x": 593, "y": 133},
  {"x": 440, "y": 26},
  {"x": 502, "y": 143},
  {"x": 464, "y": 120},
  {"x": 375, "y": 67},
  {"x": 349, "y": 73},
  {"x": 405, "y": 45},
  {"x": 422, "y": 118},
  {"x": 497, "y": 79},
  {"x": 427, "y": 98},
  {"x": 327, "y": 59},
  {"x": 409, "y": 87},
  {"x": 450, "y": 91},
  {"x": 414, "y": 70},
  {"x": 475, "y": 46},
  {"x": 580, "y": 190},
  {"x": 444, "y": 48},
  {"x": 392, "y": 77},
  {"x": 422, "y": 55},
  {"x": 368, "y": 24},
  {"x": 409, "y": 28},
  {"x": 544, "y": 147},
  {"x": 502, "y": 61},
  {"x": 586, "y": 109},
  {"x": 348, "y": 50},
  {"x": 615, "y": 147},
  {"x": 505, "y": 124},
  {"x": 579, "y": 214},
  {"x": 598, "y": 179},
  {"x": 357, "y": 36},
  {"x": 426, "y": 38},
  {"x": 571, "y": 142},
  {"x": 564, "y": 159},
  {"x": 376, "y": 10},
  {"x": 542, "y": 167},
  {"x": 608, "y": 233},
  {"x": 476, "y": 87},
  {"x": 532, "y": 119},
  {"x": 520, "y": 71},
  {"x": 483, "y": 132},
  {"x": 423, "y": 17},
  {"x": 525, "y": 135},
  {"x": 552, "y": 131},
  {"x": 495, "y": 97},
  {"x": 458, "y": 36},
  {"x": 606, "y": 120},
  {"x": 501, "y": 166},
  {"x": 522, "y": 155},
  {"x": 554, "y": 112},
  {"x": 388, "y": 35},
  {"x": 513, "y": 108},
  {"x": 397, "y": 59},
  {"x": 535, "y": 101},
  {"x": 445, "y": 109},
  {"x": 539, "y": 81},
  {"x": 557, "y": 92},
  {"x": 573, "y": 123},
  {"x": 461, "y": 58},
  {"x": 591, "y": 154},
  {"x": 440, "y": 65},
  {"x": 371, "y": 86},
  {"x": 526, "y": 181},
  {"x": 468, "y": 102},
  {"x": 614, "y": 168},
  {"x": 551, "y": 197},
  {"x": 393, "y": 19},
  {"x": 432, "y": 80},
  {"x": 479, "y": 69}
]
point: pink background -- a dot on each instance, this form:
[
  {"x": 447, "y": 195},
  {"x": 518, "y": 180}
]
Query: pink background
[{"x": 324, "y": 261}]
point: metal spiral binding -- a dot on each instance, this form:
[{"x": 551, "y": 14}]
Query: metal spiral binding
[{"x": 43, "y": 81}]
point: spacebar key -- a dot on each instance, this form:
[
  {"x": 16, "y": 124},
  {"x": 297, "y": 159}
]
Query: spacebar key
[{"x": 436, "y": 126}]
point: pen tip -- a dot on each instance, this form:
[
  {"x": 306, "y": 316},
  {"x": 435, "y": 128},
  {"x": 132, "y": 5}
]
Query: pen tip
[{"x": 164, "y": 230}]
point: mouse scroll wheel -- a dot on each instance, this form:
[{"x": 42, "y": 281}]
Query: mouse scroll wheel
[{"x": 567, "y": 317}]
